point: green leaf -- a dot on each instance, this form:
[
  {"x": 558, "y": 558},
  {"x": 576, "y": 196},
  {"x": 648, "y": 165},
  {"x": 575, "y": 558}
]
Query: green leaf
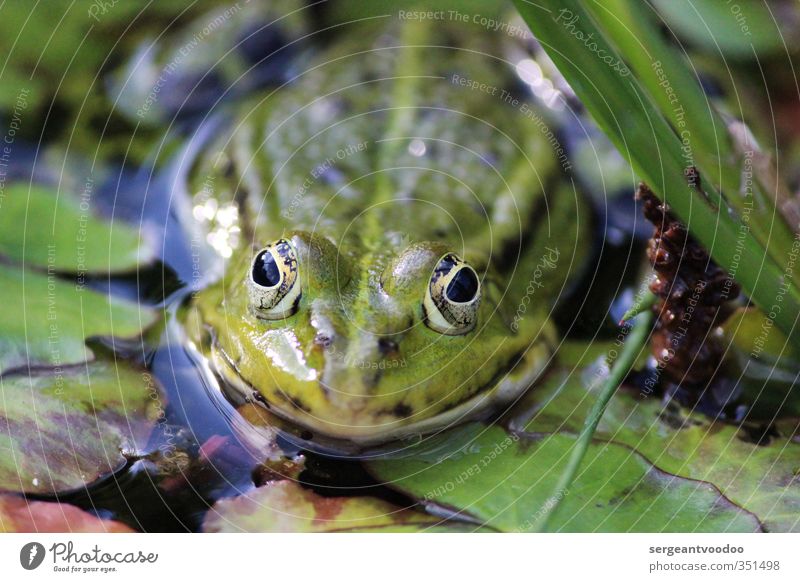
[
  {"x": 765, "y": 363},
  {"x": 505, "y": 480},
  {"x": 20, "y": 515},
  {"x": 625, "y": 111},
  {"x": 63, "y": 428},
  {"x": 760, "y": 478},
  {"x": 46, "y": 320},
  {"x": 741, "y": 29},
  {"x": 42, "y": 228},
  {"x": 673, "y": 84},
  {"x": 284, "y": 506}
]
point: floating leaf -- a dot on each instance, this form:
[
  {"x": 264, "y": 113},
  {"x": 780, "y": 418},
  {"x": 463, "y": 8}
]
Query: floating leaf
[
  {"x": 285, "y": 506},
  {"x": 62, "y": 428},
  {"x": 47, "y": 320},
  {"x": 506, "y": 480},
  {"x": 762, "y": 478},
  {"x": 19, "y": 515},
  {"x": 41, "y": 228}
]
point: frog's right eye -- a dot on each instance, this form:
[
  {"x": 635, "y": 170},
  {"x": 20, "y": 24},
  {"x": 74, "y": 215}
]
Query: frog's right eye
[
  {"x": 272, "y": 284},
  {"x": 452, "y": 297}
]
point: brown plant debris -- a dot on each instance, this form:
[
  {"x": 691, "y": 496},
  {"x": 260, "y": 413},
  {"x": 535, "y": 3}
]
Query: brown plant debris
[{"x": 694, "y": 296}]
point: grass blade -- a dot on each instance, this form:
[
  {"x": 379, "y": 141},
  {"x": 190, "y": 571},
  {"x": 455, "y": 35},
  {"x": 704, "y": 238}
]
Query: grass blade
[{"x": 626, "y": 113}]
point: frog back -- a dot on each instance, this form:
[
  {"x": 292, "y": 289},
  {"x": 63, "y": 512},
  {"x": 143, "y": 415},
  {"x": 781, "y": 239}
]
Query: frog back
[{"x": 383, "y": 143}]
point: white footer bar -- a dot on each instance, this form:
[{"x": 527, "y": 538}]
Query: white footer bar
[{"x": 405, "y": 557}]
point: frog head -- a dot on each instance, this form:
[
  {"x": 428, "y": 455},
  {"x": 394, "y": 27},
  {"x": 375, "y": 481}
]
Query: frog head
[{"x": 368, "y": 344}]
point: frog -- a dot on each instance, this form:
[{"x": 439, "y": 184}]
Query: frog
[{"x": 401, "y": 234}]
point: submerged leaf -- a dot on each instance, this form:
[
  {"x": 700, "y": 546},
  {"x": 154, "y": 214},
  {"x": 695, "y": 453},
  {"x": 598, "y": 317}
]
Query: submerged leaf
[
  {"x": 285, "y": 506},
  {"x": 63, "y": 428},
  {"x": 47, "y": 320},
  {"x": 507, "y": 480},
  {"x": 42, "y": 228},
  {"x": 19, "y": 515}
]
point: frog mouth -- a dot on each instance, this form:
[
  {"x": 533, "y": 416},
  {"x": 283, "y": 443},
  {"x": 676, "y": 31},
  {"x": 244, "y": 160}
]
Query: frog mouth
[{"x": 504, "y": 389}]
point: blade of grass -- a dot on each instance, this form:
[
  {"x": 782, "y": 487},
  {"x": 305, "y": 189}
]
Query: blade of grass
[
  {"x": 719, "y": 26},
  {"x": 631, "y": 28},
  {"x": 634, "y": 344},
  {"x": 622, "y": 108}
]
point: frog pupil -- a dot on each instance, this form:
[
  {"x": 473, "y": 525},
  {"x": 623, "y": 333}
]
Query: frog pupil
[
  {"x": 463, "y": 286},
  {"x": 265, "y": 270}
]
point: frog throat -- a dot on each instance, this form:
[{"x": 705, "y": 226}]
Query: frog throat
[{"x": 511, "y": 386}]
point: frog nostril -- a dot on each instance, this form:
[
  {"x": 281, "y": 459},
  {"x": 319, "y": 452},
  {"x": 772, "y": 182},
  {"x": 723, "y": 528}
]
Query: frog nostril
[
  {"x": 387, "y": 346},
  {"x": 323, "y": 340}
]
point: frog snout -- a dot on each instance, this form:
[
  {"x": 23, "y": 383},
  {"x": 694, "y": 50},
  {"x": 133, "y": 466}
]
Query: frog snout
[{"x": 355, "y": 369}]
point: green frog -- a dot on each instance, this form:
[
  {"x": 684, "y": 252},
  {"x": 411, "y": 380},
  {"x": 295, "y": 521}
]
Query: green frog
[{"x": 395, "y": 236}]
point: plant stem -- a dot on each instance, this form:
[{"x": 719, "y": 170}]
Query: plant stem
[{"x": 619, "y": 369}]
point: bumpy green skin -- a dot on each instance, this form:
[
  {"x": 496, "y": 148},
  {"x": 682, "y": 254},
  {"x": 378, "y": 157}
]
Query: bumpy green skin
[{"x": 370, "y": 229}]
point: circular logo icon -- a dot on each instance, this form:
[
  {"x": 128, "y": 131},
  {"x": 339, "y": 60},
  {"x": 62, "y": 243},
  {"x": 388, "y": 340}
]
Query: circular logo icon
[{"x": 31, "y": 555}]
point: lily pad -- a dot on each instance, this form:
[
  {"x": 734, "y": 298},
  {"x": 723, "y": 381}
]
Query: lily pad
[
  {"x": 506, "y": 481},
  {"x": 754, "y": 467},
  {"x": 19, "y": 515},
  {"x": 62, "y": 428},
  {"x": 285, "y": 506},
  {"x": 41, "y": 228},
  {"x": 46, "y": 320}
]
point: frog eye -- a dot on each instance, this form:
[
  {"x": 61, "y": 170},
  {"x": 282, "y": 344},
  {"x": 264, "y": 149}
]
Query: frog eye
[
  {"x": 272, "y": 284},
  {"x": 452, "y": 297}
]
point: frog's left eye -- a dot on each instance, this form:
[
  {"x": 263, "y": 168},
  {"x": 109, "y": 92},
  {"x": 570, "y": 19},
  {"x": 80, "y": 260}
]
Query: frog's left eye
[
  {"x": 272, "y": 284},
  {"x": 452, "y": 297}
]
